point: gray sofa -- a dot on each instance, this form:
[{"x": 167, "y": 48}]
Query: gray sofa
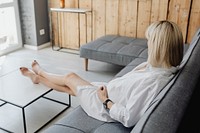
[{"x": 174, "y": 110}]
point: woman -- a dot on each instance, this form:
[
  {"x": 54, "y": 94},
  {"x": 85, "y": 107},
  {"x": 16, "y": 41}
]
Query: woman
[{"x": 123, "y": 99}]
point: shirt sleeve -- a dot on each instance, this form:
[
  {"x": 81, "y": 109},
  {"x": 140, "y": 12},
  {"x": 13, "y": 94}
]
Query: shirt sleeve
[{"x": 129, "y": 114}]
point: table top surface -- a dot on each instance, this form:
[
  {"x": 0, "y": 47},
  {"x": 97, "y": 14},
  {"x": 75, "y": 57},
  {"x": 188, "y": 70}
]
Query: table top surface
[
  {"x": 72, "y": 10},
  {"x": 19, "y": 90}
]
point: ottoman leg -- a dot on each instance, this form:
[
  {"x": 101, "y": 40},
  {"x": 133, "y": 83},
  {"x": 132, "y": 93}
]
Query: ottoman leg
[{"x": 86, "y": 64}]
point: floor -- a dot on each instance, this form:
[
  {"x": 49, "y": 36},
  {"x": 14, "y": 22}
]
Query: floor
[{"x": 55, "y": 62}]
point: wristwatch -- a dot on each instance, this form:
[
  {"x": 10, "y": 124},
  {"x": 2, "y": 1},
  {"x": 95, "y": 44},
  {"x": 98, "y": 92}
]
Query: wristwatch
[{"x": 105, "y": 104}]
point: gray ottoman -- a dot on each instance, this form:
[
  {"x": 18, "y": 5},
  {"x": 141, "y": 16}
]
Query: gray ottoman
[{"x": 115, "y": 49}]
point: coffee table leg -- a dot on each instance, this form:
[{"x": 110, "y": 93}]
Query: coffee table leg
[{"x": 24, "y": 119}]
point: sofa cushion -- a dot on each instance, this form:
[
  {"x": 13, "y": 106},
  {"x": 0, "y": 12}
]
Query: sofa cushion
[
  {"x": 78, "y": 121},
  {"x": 112, "y": 127},
  {"x": 56, "y": 128},
  {"x": 120, "y": 50},
  {"x": 130, "y": 66}
]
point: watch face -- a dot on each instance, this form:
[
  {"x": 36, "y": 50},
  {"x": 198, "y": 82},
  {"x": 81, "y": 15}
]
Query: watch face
[{"x": 105, "y": 105}]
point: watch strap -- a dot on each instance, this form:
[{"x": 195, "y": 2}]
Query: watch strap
[{"x": 106, "y": 103}]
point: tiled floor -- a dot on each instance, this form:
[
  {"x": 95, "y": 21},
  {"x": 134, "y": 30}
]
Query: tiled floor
[{"x": 55, "y": 62}]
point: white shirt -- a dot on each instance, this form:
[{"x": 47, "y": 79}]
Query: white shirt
[{"x": 131, "y": 94}]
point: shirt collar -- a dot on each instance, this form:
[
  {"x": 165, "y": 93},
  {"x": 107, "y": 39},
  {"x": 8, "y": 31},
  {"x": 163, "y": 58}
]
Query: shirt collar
[{"x": 172, "y": 70}]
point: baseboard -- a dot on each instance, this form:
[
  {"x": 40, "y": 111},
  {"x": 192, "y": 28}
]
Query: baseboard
[{"x": 37, "y": 47}]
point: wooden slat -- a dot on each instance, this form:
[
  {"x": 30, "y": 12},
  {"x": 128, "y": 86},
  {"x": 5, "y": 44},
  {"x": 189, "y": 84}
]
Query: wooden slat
[
  {"x": 98, "y": 18},
  {"x": 89, "y": 27},
  {"x": 62, "y": 31},
  {"x": 85, "y": 4},
  {"x": 71, "y": 31},
  {"x": 128, "y": 17},
  {"x": 71, "y": 3},
  {"x": 60, "y": 35},
  {"x": 159, "y": 10},
  {"x": 112, "y": 16},
  {"x": 131, "y": 19},
  {"x": 53, "y": 3},
  {"x": 68, "y": 39},
  {"x": 194, "y": 22},
  {"x": 179, "y": 12},
  {"x": 144, "y": 14},
  {"x": 85, "y": 21},
  {"x": 83, "y": 37},
  {"x": 54, "y": 28}
]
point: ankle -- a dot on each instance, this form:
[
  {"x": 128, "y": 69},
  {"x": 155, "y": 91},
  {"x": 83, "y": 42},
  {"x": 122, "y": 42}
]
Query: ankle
[{"x": 35, "y": 79}]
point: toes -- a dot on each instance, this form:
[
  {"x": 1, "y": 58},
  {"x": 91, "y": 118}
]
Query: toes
[
  {"x": 23, "y": 68},
  {"x": 34, "y": 63}
]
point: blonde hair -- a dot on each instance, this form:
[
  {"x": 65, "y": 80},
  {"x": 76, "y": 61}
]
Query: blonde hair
[{"x": 165, "y": 44}]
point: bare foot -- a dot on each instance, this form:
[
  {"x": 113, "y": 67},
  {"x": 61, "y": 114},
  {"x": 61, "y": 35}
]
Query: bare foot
[
  {"x": 26, "y": 72},
  {"x": 36, "y": 67}
]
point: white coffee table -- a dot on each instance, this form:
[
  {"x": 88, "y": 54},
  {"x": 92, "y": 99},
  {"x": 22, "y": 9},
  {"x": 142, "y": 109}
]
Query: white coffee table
[{"x": 19, "y": 91}]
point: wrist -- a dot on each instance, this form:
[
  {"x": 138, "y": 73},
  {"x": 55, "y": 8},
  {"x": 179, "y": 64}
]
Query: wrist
[
  {"x": 107, "y": 104},
  {"x": 110, "y": 104},
  {"x": 104, "y": 99}
]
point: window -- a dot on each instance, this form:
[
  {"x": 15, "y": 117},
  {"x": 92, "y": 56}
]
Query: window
[{"x": 10, "y": 33}]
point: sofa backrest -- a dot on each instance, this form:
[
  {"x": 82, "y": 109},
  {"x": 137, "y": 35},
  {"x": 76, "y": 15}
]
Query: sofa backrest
[{"x": 169, "y": 107}]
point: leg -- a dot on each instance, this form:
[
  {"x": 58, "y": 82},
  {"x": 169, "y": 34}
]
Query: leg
[
  {"x": 39, "y": 79},
  {"x": 56, "y": 79},
  {"x": 86, "y": 64},
  {"x": 67, "y": 83},
  {"x": 49, "y": 84},
  {"x": 71, "y": 80}
]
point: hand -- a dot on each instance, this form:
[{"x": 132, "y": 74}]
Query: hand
[{"x": 102, "y": 93}]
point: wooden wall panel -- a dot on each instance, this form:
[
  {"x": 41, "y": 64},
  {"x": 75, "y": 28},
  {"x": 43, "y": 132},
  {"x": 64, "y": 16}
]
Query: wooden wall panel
[
  {"x": 72, "y": 37},
  {"x": 54, "y": 28},
  {"x": 61, "y": 31},
  {"x": 85, "y": 4},
  {"x": 159, "y": 10},
  {"x": 179, "y": 13},
  {"x": 53, "y": 3},
  {"x": 144, "y": 16},
  {"x": 99, "y": 14},
  {"x": 112, "y": 17},
  {"x": 85, "y": 22},
  {"x": 71, "y": 24},
  {"x": 54, "y": 23},
  {"x": 89, "y": 27},
  {"x": 71, "y": 3},
  {"x": 83, "y": 29},
  {"x": 128, "y": 18},
  {"x": 194, "y": 22}
]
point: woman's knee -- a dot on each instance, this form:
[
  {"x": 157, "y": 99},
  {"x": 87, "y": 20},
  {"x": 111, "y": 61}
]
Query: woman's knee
[
  {"x": 70, "y": 78},
  {"x": 69, "y": 91},
  {"x": 71, "y": 82}
]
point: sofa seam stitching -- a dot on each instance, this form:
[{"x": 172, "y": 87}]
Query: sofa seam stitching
[{"x": 69, "y": 127}]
